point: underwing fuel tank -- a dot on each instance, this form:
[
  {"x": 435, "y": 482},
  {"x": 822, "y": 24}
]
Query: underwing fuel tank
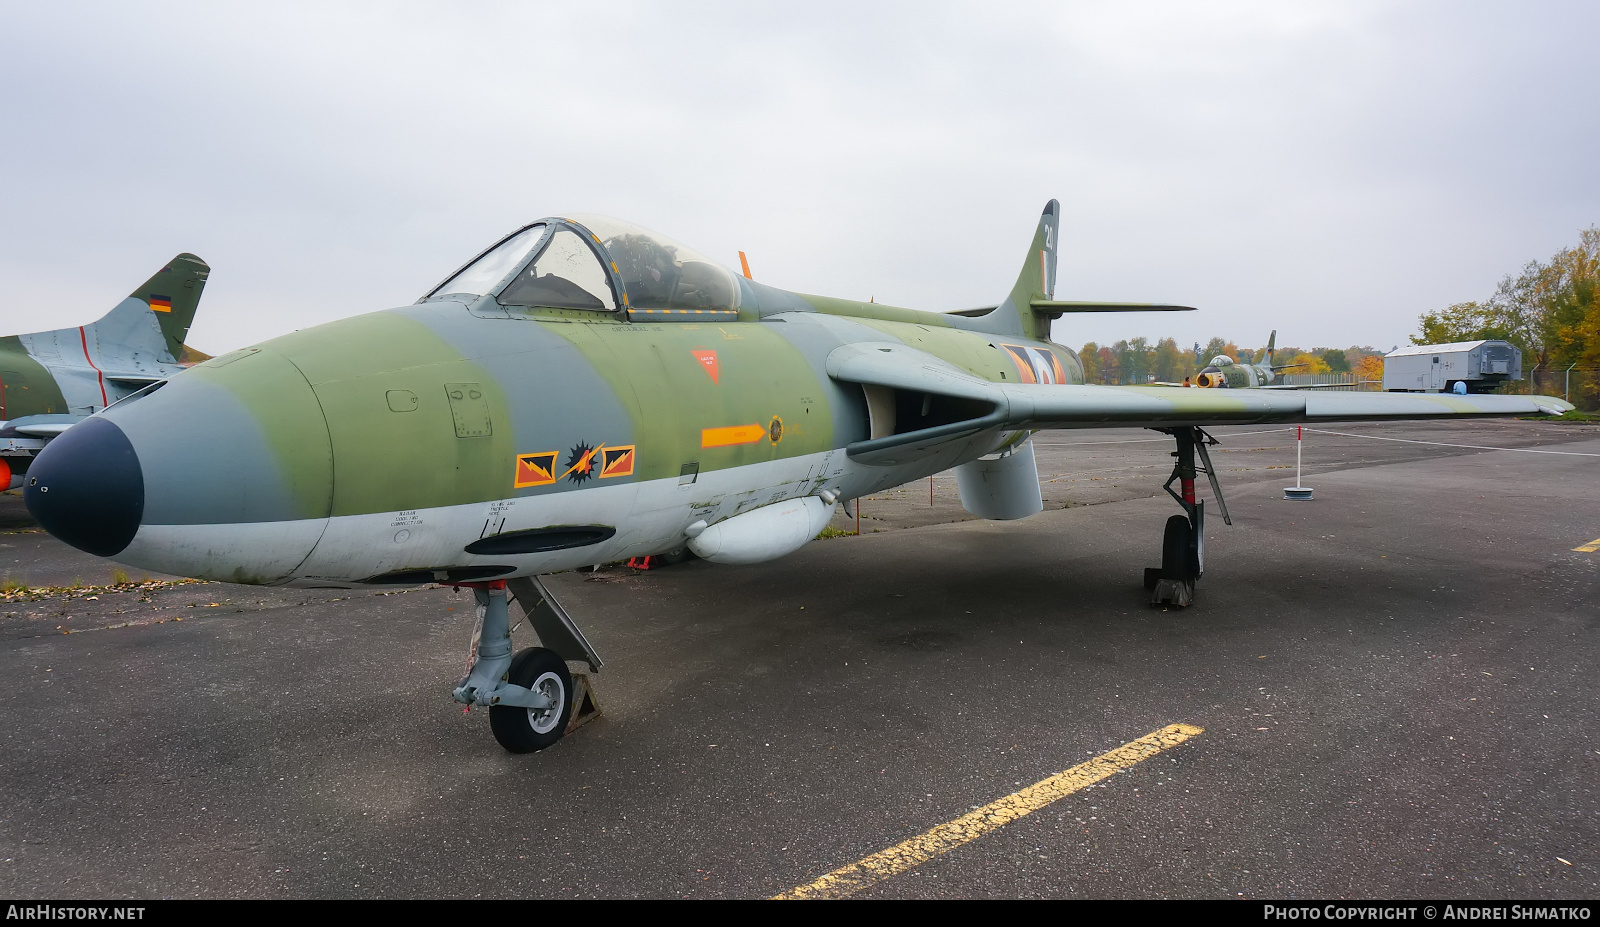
[
  {"x": 762, "y": 534},
  {"x": 1003, "y": 488}
]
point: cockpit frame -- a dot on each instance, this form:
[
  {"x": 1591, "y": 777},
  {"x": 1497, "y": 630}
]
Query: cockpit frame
[{"x": 677, "y": 283}]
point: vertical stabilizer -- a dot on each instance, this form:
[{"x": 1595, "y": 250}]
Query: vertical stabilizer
[
  {"x": 1272, "y": 345},
  {"x": 172, "y": 295},
  {"x": 138, "y": 342},
  {"x": 1037, "y": 280}
]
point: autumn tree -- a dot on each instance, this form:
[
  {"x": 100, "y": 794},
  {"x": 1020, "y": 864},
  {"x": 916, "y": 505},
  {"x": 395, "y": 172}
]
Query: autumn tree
[
  {"x": 1170, "y": 363},
  {"x": 1089, "y": 356},
  {"x": 1551, "y": 311},
  {"x": 1306, "y": 362},
  {"x": 1281, "y": 356},
  {"x": 1110, "y": 368},
  {"x": 1370, "y": 367},
  {"x": 1473, "y": 321},
  {"x": 1137, "y": 361}
]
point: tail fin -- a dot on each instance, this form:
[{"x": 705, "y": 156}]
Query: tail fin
[
  {"x": 1031, "y": 305},
  {"x": 149, "y": 325},
  {"x": 1037, "y": 281},
  {"x": 172, "y": 295},
  {"x": 1272, "y": 345}
]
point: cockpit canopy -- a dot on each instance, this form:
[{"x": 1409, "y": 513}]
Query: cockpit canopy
[
  {"x": 1222, "y": 360},
  {"x": 593, "y": 263}
]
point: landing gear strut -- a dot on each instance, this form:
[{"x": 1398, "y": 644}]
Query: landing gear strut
[
  {"x": 537, "y": 696},
  {"x": 1183, "y": 541}
]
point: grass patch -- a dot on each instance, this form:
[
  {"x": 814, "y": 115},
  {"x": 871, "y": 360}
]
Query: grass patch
[
  {"x": 118, "y": 577},
  {"x": 832, "y": 532},
  {"x": 1576, "y": 415}
]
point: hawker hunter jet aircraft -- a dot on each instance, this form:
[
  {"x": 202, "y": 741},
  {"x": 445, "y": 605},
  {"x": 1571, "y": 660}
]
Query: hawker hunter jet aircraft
[
  {"x": 587, "y": 391},
  {"x": 1224, "y": 373},
  {"x": 51, "y": 380}
]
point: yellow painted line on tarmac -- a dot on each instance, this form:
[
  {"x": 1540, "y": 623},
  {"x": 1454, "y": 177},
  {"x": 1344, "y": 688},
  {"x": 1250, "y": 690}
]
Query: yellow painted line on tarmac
[
  {"x": 1590, "y": 547},
  {"x": 963, "y": 830}
]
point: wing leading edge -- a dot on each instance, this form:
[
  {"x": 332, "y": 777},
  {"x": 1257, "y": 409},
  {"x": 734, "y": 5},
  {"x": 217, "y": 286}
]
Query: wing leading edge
[{"x": 900, "y": 369}]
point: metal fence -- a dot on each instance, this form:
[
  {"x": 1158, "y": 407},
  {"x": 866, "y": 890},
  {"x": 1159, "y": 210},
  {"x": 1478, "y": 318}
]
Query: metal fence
[
  {"x": 1579, "y": 384},
  {"x": 1345, "y": 382}
]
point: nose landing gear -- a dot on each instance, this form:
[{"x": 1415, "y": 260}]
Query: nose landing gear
[
  {"x": 536, "y": 697},
  {"x": 1183, "y": 540}
]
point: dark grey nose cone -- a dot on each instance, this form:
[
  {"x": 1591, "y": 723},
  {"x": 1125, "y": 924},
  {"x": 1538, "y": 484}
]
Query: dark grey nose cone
[{"x": 86, "y": 488}]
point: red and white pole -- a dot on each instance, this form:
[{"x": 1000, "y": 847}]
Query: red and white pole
[{"x": 1299, "y": 440}]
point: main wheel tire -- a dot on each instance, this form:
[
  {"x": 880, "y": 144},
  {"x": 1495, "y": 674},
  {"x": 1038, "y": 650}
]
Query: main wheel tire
[
  {"x": 1176, "y": 555},
  {"x": 675, "y": 557},
  {"x": 524, "y": 730}
]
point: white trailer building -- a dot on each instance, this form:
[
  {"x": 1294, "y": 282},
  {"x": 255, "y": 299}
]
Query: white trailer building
[{"x": 1437, "y": 368}]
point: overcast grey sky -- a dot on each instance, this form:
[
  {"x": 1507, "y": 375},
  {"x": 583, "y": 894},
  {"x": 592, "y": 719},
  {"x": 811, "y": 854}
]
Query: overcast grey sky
[{"x": 1328, "y": 170}]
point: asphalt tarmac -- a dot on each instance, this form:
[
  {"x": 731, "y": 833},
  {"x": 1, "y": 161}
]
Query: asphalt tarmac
[{"x": 1395, "y": 684}]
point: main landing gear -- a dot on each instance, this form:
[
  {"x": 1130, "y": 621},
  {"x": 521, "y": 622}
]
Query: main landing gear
[
  {"x": 1183, "y": 541},
  {"x": 534, "y": 697}
]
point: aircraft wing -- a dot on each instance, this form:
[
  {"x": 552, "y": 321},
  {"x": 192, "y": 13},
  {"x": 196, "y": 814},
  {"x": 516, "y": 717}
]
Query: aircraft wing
[
  {"x": 964, "y": 405},
  {"x": 48, "y": 430},
  {"x": 39, "y": 426}
]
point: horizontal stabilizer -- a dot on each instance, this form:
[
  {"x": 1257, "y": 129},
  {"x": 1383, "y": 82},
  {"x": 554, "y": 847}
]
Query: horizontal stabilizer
[{"x": 1057, "y": 307}]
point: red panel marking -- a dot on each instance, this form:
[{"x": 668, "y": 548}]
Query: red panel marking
[
  {"x": 85, "y": 339},
  {"x": 708, "y": 360}
]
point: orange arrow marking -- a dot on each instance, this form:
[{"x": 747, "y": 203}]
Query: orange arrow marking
[{"x": 731, "y": 435}]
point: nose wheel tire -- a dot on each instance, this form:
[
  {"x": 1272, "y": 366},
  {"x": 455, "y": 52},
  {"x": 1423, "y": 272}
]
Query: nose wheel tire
[{"x": 524, "y": 730}]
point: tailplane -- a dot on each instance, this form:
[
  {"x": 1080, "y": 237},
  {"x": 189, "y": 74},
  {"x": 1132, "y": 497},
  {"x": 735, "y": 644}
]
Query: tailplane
[{"x": 1031, "y": 306}]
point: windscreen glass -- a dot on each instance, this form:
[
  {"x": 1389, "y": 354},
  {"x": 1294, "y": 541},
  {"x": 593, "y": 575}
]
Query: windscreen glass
[
  {"x": 486, "y": 272},
  {"x": 566, "y": 275},
  {"x": 659, "y": 273}
]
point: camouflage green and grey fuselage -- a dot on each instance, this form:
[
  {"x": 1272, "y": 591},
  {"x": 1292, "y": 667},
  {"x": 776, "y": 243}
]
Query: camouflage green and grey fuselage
[{"x": 418, "y": 423}]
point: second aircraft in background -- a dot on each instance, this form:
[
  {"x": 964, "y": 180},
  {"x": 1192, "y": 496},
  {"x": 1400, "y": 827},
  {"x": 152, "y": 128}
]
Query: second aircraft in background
[{"x": 52, "y": 380}]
